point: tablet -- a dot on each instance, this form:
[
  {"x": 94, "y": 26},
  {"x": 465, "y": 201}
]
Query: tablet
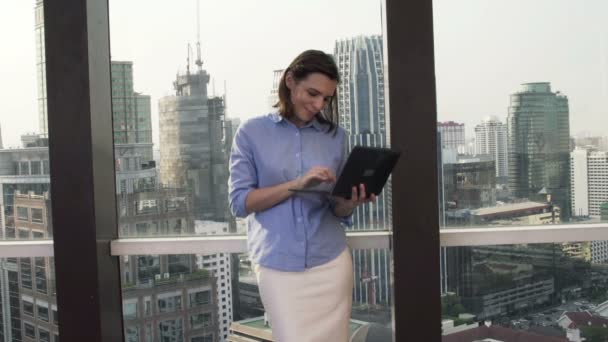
[{"x": 368, "y": 165}]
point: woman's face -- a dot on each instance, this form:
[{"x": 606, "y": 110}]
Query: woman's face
[{"x": 309, "y": 95}]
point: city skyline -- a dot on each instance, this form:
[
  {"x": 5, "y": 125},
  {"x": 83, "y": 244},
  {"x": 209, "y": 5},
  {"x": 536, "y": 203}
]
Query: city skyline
[
  {"x": 577, "y": 68},
  {"x": 470, "y": 186}
]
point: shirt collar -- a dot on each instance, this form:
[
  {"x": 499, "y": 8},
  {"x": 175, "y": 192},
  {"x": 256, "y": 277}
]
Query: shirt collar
[{"x": 276, "y": 118}]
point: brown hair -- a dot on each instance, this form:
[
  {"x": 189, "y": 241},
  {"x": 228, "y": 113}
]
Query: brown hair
[{"x": 308, "y": 62}]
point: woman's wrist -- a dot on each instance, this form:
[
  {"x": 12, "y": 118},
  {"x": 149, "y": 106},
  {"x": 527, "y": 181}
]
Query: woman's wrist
[
  {"x": 296, "y": 184},
  {"x": 342, "y": 209}
]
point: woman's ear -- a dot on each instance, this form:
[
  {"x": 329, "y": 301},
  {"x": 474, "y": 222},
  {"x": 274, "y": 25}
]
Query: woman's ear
[{"x": 289, "y": 81}]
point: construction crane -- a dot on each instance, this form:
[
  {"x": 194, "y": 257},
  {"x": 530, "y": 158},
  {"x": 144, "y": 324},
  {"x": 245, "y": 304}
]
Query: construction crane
[{"x": 199, "y": 61}]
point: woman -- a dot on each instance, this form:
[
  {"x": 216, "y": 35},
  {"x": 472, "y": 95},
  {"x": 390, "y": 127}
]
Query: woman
[{"x": 295, "y": 240}]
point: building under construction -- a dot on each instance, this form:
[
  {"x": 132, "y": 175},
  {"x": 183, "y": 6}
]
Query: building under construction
[{"x": 193, "y": 153}]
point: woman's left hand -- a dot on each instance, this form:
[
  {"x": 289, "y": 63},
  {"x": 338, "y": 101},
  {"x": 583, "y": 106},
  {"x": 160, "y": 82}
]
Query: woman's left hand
[{"x": 345, "y": 207}]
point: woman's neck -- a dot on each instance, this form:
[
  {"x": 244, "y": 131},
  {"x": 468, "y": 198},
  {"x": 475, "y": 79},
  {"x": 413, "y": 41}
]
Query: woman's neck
[{"x": 296, "y": 121}]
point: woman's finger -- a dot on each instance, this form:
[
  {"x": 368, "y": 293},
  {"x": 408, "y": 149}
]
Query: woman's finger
[{"x": 362, "y": 195}]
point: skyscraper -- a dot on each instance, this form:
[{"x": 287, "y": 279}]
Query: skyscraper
[
  {"x": 24, "y": 186},
  {"x": 273, "y": 98},
  {"x": 362, "y": 113},
  {"x": 452, "y": 136},
  {"x": 361, "y": 109},
  {"x": 41, "y": 67},
  {"x": 539, "y": 139},
  {"x": 589, "y": 181},
  {"x": 491, "y": 139},
  {"x": 470, "y": 183},
  {"x": 193, "y": 153},
  {"x": 131, "y": 115}
]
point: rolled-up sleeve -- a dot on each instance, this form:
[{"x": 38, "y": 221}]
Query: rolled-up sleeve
[
  {"x": 243, "y": 175},
  {"x": 345, "y": 220}
]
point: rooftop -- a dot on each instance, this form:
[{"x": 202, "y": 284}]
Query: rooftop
[
  {"x": 499, "y": 334},
  {"x": 256, "y": 328},
  {"x": 585, "y": 318},
  {"x": 449, "y": 123},
  {"x": 508, "y": 208}
]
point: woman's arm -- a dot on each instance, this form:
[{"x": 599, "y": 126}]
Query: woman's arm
[{"x": 264, "y": 198}]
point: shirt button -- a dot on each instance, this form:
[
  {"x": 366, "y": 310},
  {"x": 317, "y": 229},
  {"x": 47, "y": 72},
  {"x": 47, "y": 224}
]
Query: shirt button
[
  {"x": 298, "y": 154},
  {"x": 297, "y": 133},
  {"x": 299, "y": 219}
]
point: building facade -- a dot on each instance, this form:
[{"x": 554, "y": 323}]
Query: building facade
[
  {"x": 491, "y": 139},
  {"x": 40, "y": 68},
  {"x": 589, "y": 181},
  {"x": 193, "y": 151},
  {"x": 589, "y": 186},
  {"x": 273, "y": 98},
  {"x": 539, "y": 145},
  {"x": 131, "y": 112},
  {"x": 469, "y": 184},
  {"x": 452, "y": 136},
  {"x": 362, "y": 113}
]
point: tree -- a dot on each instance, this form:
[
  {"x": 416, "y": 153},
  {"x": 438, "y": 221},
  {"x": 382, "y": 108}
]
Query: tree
[{"x": 594, "y": 334}]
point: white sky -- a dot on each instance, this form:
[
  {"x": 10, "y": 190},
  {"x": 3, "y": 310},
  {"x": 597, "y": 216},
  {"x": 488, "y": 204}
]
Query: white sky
[{"x": 484, "y": 50}]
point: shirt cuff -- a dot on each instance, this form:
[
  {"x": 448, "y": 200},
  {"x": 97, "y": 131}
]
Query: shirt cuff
[
  {"x": 344, "y": 220},
  {"x": 240, "y": 208}
]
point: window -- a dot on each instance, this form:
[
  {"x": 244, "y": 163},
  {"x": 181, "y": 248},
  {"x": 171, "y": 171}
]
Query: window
[
  {"x": 169, "y": 302},
  {"x": 43, "y": 335},
  {"x": 146, "y": 207},
  {"x": 36, "y": 169},
  {"x": 45, "y": 167},
  {"x": 147, "y": 306},
  {"x": 41, "y": 285},
  {"x": 149, "y": 332},
  {"x": 55, "y": 317},
  {"x": 23, "y": 214},
  {"x": 29, "y": 330},
  {"x": 26, "y": 272},
  {"x": 178, "y": 264},
  {"x": 200, "y": 298},
  {"x": 43, "y": 310},
  {"x": 24, "y": 168},
  {"x": 10, "y": 233},
  {"x": 141, "y": 228},
  {"x": 521, "y": 157},
  {"x": 130, "y": 309},
  {"x": 131, "y": 334},
  {"x": 200, "y": 320},
  {"x": 21, "y": 161},
  {"x": 148, "y": 267},
  {"x": 205, "y": 338},
  {"x": 171, "y": 330},
  {"x": 24, "y": 234},
  {"x": 28, "y": 307}
]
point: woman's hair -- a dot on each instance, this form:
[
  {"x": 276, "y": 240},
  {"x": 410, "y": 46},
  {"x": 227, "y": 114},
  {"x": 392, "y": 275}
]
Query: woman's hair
[{"x": 309, "y": 62}]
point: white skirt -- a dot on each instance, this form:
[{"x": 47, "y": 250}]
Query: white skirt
[{"x": 309, "y": 306}]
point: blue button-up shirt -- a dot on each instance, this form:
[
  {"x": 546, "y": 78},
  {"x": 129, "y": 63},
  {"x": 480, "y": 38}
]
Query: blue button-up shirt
[{"x": 302, "y": 231}]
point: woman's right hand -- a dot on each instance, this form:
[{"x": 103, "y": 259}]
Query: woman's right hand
[{"x": 316, "y": 175}]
